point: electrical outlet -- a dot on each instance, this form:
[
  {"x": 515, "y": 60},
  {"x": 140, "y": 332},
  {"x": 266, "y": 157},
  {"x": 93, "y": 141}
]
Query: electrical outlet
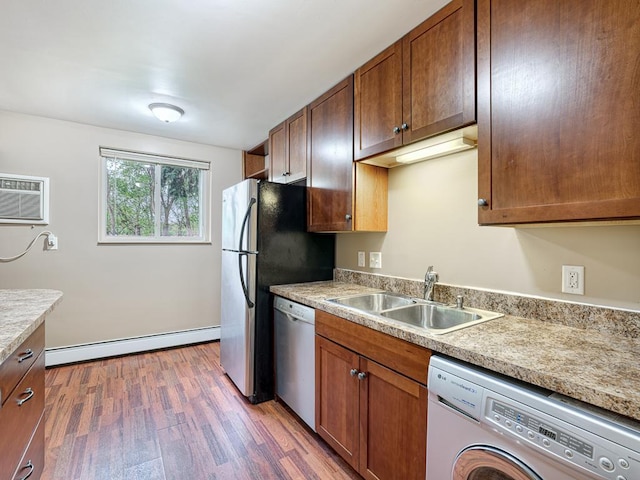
[
  {"x": 361, "y": 260},
  {"x": 573, "y": 279},
  {"x": 375, "y": 259},
  {"x": 52, "y": 242}
]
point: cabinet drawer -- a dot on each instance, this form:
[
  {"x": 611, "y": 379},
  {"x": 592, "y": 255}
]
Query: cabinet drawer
[
  {"x": 399, "y": 355},
  {"x": 19, "y": 420},
  {"x": 13, "y": 368},
  {"x": 32, "y": 462}
]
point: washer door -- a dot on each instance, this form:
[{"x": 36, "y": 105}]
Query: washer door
[{"x": 483, "y": 462}]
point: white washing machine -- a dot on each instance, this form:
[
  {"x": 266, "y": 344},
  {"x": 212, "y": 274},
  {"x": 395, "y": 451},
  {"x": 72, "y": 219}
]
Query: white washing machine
[{"x": 482, "y": 426}]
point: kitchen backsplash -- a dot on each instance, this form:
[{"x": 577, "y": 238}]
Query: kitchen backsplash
[{"x": 607, "y": 320}]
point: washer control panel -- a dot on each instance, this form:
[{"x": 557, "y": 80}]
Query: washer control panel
[
  {"x": 548, "y": 433},
  {"x": 594, "y": 446},
  {"x": 602, "y": 458}
]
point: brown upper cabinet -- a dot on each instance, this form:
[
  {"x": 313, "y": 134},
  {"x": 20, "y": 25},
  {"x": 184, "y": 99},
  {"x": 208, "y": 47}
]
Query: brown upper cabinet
[
  {"x": 558, "y": 111},
  {"x": 341, "y": 195},
  {"x": 255, "y": 162},
  {"x": 420, "y": 86},
  {"x": 288, "y": 147}
]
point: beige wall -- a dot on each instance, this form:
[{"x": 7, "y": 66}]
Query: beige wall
[
  {"x": 433, "y": 221},
  {"x": 110, "y": 291}
]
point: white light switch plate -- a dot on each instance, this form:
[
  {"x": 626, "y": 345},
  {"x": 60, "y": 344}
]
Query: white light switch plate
[
  {"x": 362, "y": 259},
  {"x": 375, "y": 259}
]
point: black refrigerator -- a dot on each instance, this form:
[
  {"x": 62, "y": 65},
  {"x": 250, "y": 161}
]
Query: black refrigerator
[{"x": 264, "y": 243}]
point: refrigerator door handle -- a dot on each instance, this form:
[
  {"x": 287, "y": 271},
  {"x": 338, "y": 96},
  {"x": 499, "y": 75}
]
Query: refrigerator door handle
[
  {"x": 245, "y": 220},
  {"x": 245, "y": 290}
]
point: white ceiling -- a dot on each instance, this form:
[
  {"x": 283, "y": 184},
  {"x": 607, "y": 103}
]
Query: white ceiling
[{"x": 237, "y": 67}]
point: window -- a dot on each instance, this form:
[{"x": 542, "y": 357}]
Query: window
[{"x": 153, "y": 199}]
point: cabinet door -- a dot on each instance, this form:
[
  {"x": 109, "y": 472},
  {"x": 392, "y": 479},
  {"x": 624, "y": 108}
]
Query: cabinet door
[
  {"x": 337, "y": 398},
  {"x": 19, "y": 417},
  {"x": 558, "y": 119},
  {"x": 330, "y": 174},
  {"x": 378, "y": 103},
  {"x": 393, "y": 424},
  {"x": 439, "y": 72},
  {"x": 296, "y": 145},
  {"x": 32, "y": 464},
  {"x": 277, "y": 154},
  {"x": 17, "y": 364}
]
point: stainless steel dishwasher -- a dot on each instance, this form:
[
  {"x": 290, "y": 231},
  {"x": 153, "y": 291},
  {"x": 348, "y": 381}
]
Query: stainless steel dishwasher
[{"x": 295, "y": 357}]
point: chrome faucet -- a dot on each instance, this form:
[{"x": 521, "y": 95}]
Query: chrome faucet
[{"x": 430, "y": 279}]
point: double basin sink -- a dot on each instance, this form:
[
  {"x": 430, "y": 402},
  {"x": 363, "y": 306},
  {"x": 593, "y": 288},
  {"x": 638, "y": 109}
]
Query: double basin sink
[{"x": 434, "y": 317}]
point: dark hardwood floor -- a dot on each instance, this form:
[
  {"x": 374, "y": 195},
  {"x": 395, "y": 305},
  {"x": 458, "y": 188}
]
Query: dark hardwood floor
[{"x": 172, "y": 414}]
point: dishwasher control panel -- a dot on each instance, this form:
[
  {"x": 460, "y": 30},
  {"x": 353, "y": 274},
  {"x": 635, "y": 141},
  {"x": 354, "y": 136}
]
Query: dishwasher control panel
[{"x": 296, "y": 310}]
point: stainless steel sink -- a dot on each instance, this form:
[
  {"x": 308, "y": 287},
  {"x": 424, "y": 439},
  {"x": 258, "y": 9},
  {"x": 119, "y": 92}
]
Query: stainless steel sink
[
  {"x": 439, "y": 319},
  {"x": 434, "y": 317},
  {"x": 374, "y": 302}
]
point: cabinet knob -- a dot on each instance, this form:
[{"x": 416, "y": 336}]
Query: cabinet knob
[
  {"x": 353, "y": 372},
  {"x": 404, "y": 127},
  {"x": 482, "y": 202},
  {"x": 347, "y": 217},
  {"x": 362, "y": 376},
  {"x": 396, "y": 130},
  {"x": 284, "y": 174}
]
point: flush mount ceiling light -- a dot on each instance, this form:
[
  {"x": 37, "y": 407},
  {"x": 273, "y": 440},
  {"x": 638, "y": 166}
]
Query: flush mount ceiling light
[
  {"x": 438, "y": 150},
  {"x": 165, "y": 112}
]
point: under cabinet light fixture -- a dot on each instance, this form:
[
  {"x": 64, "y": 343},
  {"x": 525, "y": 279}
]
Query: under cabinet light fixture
[
  {"x": 438, "y": 150},
  {"x": 165, "y": 112}
]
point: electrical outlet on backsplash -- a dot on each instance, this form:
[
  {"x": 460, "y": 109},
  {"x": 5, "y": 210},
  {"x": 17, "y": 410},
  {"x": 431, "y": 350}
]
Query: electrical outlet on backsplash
[{"x": 608, "y": 320}]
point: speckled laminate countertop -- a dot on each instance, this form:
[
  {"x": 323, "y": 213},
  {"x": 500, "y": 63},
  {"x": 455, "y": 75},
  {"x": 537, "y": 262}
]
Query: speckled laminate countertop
[
  {"x": 587, "y": 365},
  {"x": 21, "y": 312}
]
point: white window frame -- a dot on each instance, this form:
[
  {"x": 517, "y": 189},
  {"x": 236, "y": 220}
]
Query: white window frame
[{"x": 158, "y": 160}]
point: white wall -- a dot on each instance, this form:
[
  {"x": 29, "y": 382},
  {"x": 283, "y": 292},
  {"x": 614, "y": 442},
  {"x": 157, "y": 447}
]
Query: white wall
[
  {"x": 110, "y": 291},
  {"x": 433, "y": 221}
]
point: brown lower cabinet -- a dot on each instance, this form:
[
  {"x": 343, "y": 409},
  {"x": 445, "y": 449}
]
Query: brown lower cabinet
[
  {"x": 371, "y": 398},
  {"x": 22, "y": 410}
]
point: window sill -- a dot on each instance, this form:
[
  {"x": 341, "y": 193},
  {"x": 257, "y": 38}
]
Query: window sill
[{"x": 155, "y": 241}]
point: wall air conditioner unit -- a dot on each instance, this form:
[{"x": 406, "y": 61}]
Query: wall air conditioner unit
[{"x": 24, "y": 199}]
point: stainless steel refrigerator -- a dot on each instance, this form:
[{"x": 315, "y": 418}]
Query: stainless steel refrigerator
[{"x": 264, "y": 243}]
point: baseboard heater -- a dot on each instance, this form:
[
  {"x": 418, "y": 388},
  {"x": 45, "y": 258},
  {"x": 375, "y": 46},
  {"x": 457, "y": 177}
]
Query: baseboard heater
[{"x": 113, "y": 348}]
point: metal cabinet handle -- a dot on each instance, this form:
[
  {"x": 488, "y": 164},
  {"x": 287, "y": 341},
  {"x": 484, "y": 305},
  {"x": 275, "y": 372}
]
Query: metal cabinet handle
[
  {"x": 27, "y": 354},
  {"x": 347, "y": 217},
  {"x": 404, "y": 127},
  {"x": 353, "y": 372},
  {"x": 482, "y": 202},
  {"x": 362, "y": 376},
  {"x": 31, "y": 468},
  {"x": 29, "y": 393},
  {"x": 396, "y": 130}
]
